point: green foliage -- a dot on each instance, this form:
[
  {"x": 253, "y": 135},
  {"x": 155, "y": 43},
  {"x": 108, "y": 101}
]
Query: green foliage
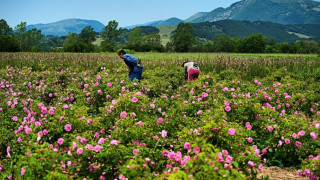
[
  {"x": 27, "y": 39},
  {"x": 183, "y": 37},
  {"x": 109, "y": 34},
  {"x": 222, "y": 43},
  {"x": 87, "y": 35},
  {"x": 255, "y": 43}
]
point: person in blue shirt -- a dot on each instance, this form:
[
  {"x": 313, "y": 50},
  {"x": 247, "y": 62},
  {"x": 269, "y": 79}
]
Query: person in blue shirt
[{"x": 134, "y": 66}]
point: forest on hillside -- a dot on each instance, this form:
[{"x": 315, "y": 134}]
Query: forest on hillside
[{"x": 220, "y": 36}]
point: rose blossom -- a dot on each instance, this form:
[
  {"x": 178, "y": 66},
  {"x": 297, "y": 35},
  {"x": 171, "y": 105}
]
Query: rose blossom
[
  {"x": 232, "y": 131},
  {"x": 196, "y": 149},
  {"x": 123, "y": 114},
  {"x": 164, "y": 133},
  {"x": 67, "y": 127},
  {"x": 159, "y": 120},
  {"x": 114, "y": 142},
  {"x": 187, "y": 145},
  {"x": 60, "y": 141},
  {"x": 251, "y": 163},
  {"x": 134, "y": 100},
  {"x": 79, "y": 151},
  {"x": 23, "y": 170}
]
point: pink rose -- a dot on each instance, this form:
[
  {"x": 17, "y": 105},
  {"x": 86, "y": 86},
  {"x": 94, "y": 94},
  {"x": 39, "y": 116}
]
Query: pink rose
[
  {"x": 60, "y": 141},
  {"x": 228, "y": 108},
  {"x": 114, "y": 142},
  {"x": 287, "y": 141},
  {"x": 232, "y": 131},
  {"x": 187, "y": 145},
  {"x": 229, "y": 159},
  {"x": 164, "y": 133},
  {"x": 196, "y": 149},
  {"x": 123, "y": 114},
  {"x": 97, "y": 148},
  {"x": 298, "y": 144},
  {"x": 67, "y": 127},
  {"x": 23, "y": 170},
  {"x": 159, "y": 120},
  {"x": 79, "y": 151},
  {"x": 314, "y": 135},
  {"x": 251, "y": 164},
  {"x": 134, "y": 100},
  {"x": 135, "y": 151}
]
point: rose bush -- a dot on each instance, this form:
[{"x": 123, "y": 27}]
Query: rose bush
[{"x": 70, "y": 123}]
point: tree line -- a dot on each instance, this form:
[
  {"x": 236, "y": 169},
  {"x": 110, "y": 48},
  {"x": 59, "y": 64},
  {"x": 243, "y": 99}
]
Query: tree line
[{"x": 143, "y": 39}]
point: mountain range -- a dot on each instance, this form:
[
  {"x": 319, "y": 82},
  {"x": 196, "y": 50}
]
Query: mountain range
[
  {"x": 276, "y": 11},
  {"x": 63, "y": 27}
]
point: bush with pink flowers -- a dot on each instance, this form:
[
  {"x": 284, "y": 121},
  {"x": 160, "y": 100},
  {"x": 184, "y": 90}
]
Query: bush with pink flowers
[{"x": 66, "y": 122}]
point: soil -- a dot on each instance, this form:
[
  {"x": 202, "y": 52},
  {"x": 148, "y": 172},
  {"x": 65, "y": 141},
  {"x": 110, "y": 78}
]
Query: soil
[{"x": 276, "y": 173}]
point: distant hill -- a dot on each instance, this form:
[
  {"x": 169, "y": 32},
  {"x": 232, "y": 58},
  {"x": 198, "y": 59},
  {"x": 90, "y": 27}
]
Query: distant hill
[
  {"x": 280, "y": 32},
  {"x": 61, "y": 28},
  {"x": 167, "y": 22},
  {"x": 278, "y": 11}
]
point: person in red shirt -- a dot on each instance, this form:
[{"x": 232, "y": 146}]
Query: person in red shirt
[{"x": 191, "y": 70}]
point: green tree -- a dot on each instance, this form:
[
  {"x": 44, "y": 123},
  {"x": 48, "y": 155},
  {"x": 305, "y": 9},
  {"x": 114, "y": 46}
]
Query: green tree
[
  {"x": 222, "y": 43},
  {"x": 8, "y": 42},
  {"x": 183, "y": 37},
  {"x": 307, "y": 47},
  {"x": 153, "y": 40},
  {"x": 74, "y": 44},
  {"x": 236, "y": 44},
  {"x": 27, "y": 39},
  {"x": 109, "y": 34},
  {"x": 136, "y": 39},
  {"x": 5, "y": 29},
  {"x": 87, "y": 35},
  {"x": 285, "y": 47},
  {"x": 255, "y": 43},
  {"x": 20, "y": 34},
  {"x": 32, "y": 38}
]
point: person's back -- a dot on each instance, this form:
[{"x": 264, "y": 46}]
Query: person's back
[
  {"x": 135, "y": 69},
  {"x": 191, "y": 70}
]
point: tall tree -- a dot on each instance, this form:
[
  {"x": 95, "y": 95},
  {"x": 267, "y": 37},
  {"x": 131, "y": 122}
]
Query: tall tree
[
  {"x": 153, "y": 40},
  {"x": 74, "y": 44},
  {"x": 8, "y": 42},
  {"x": 183, "y": 37},
  {"x": 136, "y": 39},
  {"x": 33, "y": 37},
  {"x": 255, "y": 43},
  {"x": 5, "y": 29},
  {"x": 88, "y": 35},
  {"x": 110, "y": 32},
  {"x": 222, "y": 43},
  {"x": 27, "y": 39},
  {"x": 20, "y": 34}
]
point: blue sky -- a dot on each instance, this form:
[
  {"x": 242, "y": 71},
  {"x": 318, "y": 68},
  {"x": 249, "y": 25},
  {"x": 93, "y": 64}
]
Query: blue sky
[{"x": 125, "y": 12}]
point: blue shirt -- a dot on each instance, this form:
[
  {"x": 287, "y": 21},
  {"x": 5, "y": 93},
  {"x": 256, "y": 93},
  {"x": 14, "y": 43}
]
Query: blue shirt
[{"x": 130, "y": 60}]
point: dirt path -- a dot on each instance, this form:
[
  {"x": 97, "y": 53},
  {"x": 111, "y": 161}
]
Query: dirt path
[{"x": 276, "y": 173}]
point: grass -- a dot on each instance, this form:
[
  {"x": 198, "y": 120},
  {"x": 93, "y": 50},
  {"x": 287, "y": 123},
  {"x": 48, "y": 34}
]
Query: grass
[
  {"x": 165, "y": 33},
  {"x": 251, "y": 65}
]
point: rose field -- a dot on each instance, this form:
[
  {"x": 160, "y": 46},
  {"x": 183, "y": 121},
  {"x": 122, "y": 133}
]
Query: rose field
[{"x": 78, "y": 116}]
